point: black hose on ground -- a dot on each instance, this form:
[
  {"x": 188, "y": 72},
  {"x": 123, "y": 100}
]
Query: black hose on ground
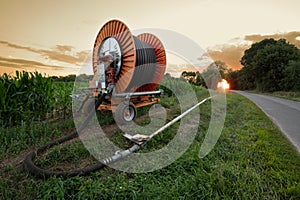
[{"x": 42, "y": 173}]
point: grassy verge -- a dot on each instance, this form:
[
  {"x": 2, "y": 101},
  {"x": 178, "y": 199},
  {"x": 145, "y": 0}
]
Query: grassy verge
[
  {"x": 252, "y": 160},
  {"x": 295, "y": 96},
  {"x": 287, "y": 95}
]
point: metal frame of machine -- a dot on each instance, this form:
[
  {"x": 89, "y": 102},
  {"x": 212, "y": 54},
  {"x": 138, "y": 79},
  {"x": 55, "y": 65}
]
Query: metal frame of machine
[{"x": 127, "y": 68}]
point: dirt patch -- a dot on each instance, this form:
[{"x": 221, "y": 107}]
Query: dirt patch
[{"x": 17, "y": 160}]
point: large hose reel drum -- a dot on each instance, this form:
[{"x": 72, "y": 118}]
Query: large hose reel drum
[{"x": 127, "y": 63}]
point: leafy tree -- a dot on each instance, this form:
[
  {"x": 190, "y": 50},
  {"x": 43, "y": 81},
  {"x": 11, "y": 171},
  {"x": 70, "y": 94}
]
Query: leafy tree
[
  {"x": 189, "y": 76},
  {"x": 221, "y": 67},
  {"x": 232, "y": 78},
  {"x": 246, "y": 80},
  {"x": 212, "y": 75},
  {"x": 247, "y": 74},
  {"x": 265, "y": 63},
  {"x": 199, "y": 79},
  {"x": 291, "y": 80},
  {"x": 184, "y": 73},
  {"x": 72, "y": 78},
  {"x": 270, "y": 63},
  {"x": 248, "y": 58}
]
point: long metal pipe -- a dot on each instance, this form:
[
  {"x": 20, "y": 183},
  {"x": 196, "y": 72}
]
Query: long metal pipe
[
  {"x": 121, "y": 154},
  {"x": 130, "y": 94},
  {"x": 178, "y": 118}
]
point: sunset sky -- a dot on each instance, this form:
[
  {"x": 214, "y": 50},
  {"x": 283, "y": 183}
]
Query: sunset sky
[{"x": 54, "y": 37}]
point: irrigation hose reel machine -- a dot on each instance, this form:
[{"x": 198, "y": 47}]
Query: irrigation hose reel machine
[{"x": 127, "y": 68}]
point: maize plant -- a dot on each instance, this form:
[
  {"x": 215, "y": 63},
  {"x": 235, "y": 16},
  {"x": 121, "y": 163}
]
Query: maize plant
[
  {"x": 25, "y": 96},
  {"x": 63, "y": 101}
]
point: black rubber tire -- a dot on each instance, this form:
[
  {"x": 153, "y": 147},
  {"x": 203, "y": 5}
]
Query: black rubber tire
[{"x": 122, "y": 117}]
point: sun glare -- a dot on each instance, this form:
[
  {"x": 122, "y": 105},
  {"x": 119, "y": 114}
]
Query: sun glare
[{"x": 223, "y": 85}]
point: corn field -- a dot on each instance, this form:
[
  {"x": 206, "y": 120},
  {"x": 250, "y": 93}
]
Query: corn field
[{"x": 30, "y": 96}]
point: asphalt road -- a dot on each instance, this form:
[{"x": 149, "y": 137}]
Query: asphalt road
[{"x": 284, "y": 113}]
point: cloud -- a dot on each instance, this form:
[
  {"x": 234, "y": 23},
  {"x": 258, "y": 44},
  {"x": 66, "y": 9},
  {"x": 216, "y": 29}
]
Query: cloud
[
  {"x": 21, "y": 63},
  {"x": 61, "y": 53},
  {"x": 232, "y": 52},
  {"x": 16, "y": 46},
  {"x": 7, "y": 64},
  {"x": 64, "y": 48},
  {"x": 290, "y": 37}
]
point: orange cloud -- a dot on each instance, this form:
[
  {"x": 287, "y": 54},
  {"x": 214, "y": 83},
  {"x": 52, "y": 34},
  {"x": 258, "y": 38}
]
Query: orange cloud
[
  {"x": 64, "y": 48},
  {"x": 14, "y": 61},
  {"x": 61, "y": 53},
  {"x": 10, "y": 65},
  {"x": 21, "y": 63},
  {"x": 290, "y": 37},
  {"x": 232, "y": 53}
]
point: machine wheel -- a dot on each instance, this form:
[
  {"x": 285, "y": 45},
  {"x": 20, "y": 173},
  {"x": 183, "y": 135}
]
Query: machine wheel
[{"x": 125, "y": 113}]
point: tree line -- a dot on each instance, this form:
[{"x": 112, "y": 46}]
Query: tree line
[
  {"x": 209, "y": 77},
  {"x": 72, "y": 78},
  {"x": 269, "y": 65}
]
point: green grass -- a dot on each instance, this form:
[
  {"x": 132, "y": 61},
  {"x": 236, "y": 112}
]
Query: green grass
[
  {"x": 295, "y": 96},
  {"x": 16, "y": 139},
  {"x": 287, "y": 95},
  {"x": 252, "y": 160}
]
